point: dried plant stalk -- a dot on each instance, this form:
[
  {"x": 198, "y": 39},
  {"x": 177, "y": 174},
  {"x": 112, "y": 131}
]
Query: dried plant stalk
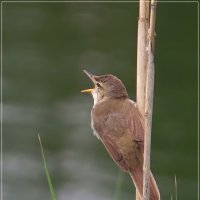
[
  {"x": 142, "y": 59},
  {"x": 145, "y": 81},
  {"x": 141, "y": 56},
  {"x": 149, "y": 101}
]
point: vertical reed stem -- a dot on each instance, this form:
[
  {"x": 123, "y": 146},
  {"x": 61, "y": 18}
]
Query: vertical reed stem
[
  {"x": 149, "y": 100},
  {"x": 145, "y": 81},
  {"x": 141, "y": 56},
  {"x": 142, "y": 59}
]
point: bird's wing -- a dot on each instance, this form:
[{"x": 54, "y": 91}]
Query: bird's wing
[
  {"x": 135, "y": 124},
  {"x": 114, "y": 151}
]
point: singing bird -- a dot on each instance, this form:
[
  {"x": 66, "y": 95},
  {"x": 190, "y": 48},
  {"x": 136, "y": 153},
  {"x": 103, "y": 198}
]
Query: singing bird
[{"x": 116, "y": 121}]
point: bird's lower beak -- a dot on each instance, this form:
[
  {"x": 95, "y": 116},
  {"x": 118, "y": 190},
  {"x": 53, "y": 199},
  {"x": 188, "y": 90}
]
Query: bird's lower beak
[{"x": 88, "y": 90}]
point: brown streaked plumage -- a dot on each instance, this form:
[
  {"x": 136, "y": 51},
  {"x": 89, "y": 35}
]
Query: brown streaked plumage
[{"x": 116, "y": 121}]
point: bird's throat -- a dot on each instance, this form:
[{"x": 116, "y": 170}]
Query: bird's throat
[{"x": 95, "y": 97}]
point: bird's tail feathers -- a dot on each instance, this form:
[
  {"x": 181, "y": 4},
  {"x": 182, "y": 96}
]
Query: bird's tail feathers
[{"x": 137, "y": 178}]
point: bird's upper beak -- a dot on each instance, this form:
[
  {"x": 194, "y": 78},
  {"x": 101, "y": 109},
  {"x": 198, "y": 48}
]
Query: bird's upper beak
[{"x": 91, "y": 76}]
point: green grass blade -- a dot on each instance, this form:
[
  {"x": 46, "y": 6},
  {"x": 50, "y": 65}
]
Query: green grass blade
[
  {"x": 175, "y": 185},
  {"x": 118, "y": 187},
  {"x": 53, "y": 194}
]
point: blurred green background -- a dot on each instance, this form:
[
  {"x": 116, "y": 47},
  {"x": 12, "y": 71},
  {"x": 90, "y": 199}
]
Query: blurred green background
[{"x": 45, "y": 48}]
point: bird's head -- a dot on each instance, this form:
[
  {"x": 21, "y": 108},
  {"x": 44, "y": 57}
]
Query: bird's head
[{"x": 106, "y": 87}]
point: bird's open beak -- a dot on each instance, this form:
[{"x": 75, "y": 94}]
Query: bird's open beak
[
  {"x": 91, "y": 77},
  {"x": 88, "y": 90}
]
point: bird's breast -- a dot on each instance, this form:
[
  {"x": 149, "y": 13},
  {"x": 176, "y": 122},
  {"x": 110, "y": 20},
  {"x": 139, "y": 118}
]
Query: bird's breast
[{"x": 94, "y": 129}]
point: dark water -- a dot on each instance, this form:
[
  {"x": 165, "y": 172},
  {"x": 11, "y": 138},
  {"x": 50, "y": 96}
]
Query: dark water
[{"x": 45, "y": 48}]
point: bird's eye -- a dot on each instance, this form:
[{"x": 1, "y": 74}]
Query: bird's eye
[{"x": 98, "y": 85}]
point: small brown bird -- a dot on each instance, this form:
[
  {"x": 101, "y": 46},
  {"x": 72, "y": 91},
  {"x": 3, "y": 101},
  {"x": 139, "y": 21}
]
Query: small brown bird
[{"x": 116, "y": 121}]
